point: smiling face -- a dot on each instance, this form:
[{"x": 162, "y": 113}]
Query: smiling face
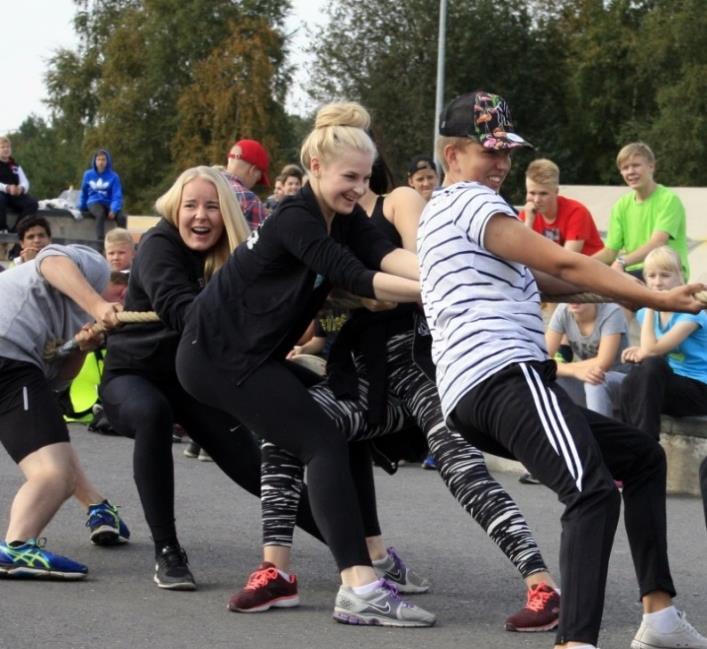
[
  {"x": 423, "y": 181},
  {"x": 637, "y": 172},
  {"x": 200, "y": 221},
  {"x": 291, "y": 185},
  {"x": 340, "y": 183},
  {"x": 473, "y": 162}
]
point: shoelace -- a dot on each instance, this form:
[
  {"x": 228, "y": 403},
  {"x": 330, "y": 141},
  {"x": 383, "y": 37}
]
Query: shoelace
[
  {"x": 394, "y": 594},
  {"x": 538, "y": 598},
  {"x": 261, "y": 578}
]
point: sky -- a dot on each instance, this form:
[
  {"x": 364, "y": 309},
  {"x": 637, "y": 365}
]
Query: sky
[{"x": 34, "y": 29}]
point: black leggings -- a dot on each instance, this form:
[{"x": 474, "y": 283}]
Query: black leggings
[
  {"x": 146, "y": 409},
  {"x": 274, "y": 404}
]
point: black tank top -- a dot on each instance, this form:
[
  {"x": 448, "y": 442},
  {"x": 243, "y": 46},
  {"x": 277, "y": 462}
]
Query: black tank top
[{"x": 384, "y": 225}]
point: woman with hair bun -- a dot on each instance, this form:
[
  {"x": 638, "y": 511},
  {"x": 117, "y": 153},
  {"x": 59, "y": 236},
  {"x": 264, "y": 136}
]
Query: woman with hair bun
[{"x": 232, "y": 354}]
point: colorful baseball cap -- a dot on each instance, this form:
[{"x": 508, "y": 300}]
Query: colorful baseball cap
[
  {"x": 254, "y": 153},
  {"x": 483, "y": 116}
]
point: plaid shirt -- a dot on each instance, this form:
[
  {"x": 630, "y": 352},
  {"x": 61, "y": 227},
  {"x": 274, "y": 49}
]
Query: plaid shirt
[{"x": 251, "y": 206}]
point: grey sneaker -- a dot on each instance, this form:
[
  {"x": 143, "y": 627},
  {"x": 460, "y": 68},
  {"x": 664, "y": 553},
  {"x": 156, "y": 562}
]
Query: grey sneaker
[
  {"x": 683, "y": 636},
  {"x": 406, "y": 580},
  {"x": 382, "y": 607}
]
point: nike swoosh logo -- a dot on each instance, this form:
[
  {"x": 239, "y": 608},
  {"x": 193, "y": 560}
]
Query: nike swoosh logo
[
  {"x": 395, "y": 574},
  {"x": 381, "y": 609}
]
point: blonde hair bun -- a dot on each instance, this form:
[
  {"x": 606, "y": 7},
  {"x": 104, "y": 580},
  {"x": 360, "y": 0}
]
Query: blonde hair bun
[{"x": 343, "y": 114}]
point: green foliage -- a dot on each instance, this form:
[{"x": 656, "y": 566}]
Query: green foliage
[
  {"x": 50, "y": 161},
  {"x": 583, "y": 76},
  {"x": 145, "y": 68}
]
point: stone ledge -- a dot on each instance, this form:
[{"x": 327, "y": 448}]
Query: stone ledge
[{"x": 684, "y": 441}]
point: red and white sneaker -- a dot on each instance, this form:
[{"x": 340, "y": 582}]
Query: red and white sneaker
[
  {"x": 266, "y": 588},
  {"x": 540, "y": 613}
]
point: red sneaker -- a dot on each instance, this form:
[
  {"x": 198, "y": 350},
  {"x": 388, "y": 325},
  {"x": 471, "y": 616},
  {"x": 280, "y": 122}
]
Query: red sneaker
[
  {"x": 266, "y": 588},
  {"x": 540, "y": 613}
]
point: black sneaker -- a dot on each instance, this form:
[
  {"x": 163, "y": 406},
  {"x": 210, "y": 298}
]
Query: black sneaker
[{"x": 172, "y": 569}]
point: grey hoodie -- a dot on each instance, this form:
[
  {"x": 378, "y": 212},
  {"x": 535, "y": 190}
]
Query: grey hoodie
[{"x": 34, "y": 314}]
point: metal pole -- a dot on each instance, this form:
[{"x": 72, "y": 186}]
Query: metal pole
[{"x": 439, "y": 98}]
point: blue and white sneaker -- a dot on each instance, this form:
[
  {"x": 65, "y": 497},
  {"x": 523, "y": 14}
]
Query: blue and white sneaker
[
  {"x": 31, "y": 560},
  {"x": 429, "y": 463},
  {"x": 107, "y": 528}
]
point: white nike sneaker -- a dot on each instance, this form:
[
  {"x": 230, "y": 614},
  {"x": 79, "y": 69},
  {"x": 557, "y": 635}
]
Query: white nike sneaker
[
  {"x": 383, "y": 607},
  {"x": 683, "y": 636}
]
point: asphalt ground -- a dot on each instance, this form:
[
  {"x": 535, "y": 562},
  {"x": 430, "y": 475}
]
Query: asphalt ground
[{"x": 474, "y": 586}]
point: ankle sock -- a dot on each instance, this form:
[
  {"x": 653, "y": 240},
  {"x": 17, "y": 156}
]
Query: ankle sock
[
  {"x": 283, "y": 574},
  {"x": 663, "y": 621},
  {"x": 367, "y": 588}
]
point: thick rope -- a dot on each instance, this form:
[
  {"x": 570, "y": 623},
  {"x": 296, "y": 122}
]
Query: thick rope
[{"x": 339, "y": 302}]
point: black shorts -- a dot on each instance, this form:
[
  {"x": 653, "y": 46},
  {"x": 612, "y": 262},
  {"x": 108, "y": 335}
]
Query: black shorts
[{"x": 30, "y": 417}]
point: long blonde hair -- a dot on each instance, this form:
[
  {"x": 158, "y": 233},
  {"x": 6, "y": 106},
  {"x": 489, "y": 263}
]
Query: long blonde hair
[
  {"x": 339, "y": 126},
  {"x": 235, "y": 226}
]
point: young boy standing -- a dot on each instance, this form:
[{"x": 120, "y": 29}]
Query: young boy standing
[
  {"x": 497, "y": 385},
  {"x": 645, "y": 219},
  {"x": 562, "y": 220}
]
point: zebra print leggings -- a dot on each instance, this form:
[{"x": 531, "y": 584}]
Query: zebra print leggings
[{"x": 461, "y": 466}]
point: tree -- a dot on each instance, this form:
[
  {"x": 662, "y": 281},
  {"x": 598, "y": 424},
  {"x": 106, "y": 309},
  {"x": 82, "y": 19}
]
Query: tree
[
  {"x": 49, "y": 160},
  {"x": 381, "y": 55},
  {"x": 122, "y": 89}
]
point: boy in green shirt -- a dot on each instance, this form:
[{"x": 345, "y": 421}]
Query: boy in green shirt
[{"x": 649, "y": 217}]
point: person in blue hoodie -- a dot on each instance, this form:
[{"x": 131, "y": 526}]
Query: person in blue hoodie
[{"x": 102, "y": 193}]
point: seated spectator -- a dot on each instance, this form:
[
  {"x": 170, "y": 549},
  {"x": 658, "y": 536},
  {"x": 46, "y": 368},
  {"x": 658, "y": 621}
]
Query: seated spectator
[
  {"x": 292, "y": 177},
  {"x": 276, "y": 196},
  {"x": 563, "y": 220},
  {"x": 34, "y": 234},
  {"x": 119, "y": 249},
  {"x": 423, "y": 176},
  {"x": 670, "y": 371},
  {"x": 597, "y": 334},
  {"x": 14, "y": 186},
  {"x": 648, "y": 217},
  {"x": 247, "y": 165},
  {"x": 102, "y": 194}
]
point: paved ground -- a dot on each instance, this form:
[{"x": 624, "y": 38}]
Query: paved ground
[{"x": 474, "y": 586}]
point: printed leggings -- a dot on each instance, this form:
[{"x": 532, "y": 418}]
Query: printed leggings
[{"x": 461, "y": 466}]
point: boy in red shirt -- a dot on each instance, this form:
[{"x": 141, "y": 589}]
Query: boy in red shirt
[{"x": 564, "y": 220}]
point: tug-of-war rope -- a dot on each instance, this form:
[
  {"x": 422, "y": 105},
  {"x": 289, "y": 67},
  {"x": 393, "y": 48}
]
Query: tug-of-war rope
[{"x": 340, "y": 302}]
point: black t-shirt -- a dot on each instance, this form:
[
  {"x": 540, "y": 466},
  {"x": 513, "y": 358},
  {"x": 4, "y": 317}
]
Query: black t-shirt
[{"x": 272, "y": 286}]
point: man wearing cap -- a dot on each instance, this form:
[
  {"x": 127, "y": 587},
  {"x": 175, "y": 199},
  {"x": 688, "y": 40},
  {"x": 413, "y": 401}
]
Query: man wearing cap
[
  {"x": 497, "y": 386},
  {"x": 247, "y": 166},
  {"x": 422, "y": 176}
]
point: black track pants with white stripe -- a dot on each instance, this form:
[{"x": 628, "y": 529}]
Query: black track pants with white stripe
[
  {"x": 461, "y": 466},
  {"x": 521, "y": 412}
]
